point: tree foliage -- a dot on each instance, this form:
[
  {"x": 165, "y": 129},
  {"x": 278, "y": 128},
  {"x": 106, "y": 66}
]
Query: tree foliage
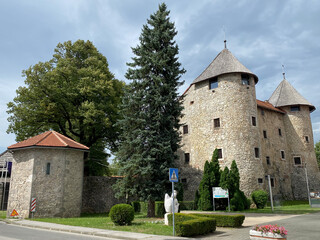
[
  {"x": 151, "y": 111},
  {"x": 75, "y": 94},
  {"x": 317, "y": 150}
]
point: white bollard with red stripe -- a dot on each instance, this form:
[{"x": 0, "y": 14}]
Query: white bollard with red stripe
[{"x": 33, "y": 205}]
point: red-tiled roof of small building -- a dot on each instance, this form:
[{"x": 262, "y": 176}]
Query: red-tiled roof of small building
[
  {"x": 269, "y": 106},
  {"x": 49, "y": 139}
]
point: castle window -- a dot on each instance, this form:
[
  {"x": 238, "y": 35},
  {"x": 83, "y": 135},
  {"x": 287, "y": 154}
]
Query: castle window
[
  {"x": 279, "y": 131},
  {"x": 216, "y": 122},
  {"x": 272, "y": 181},
  {"x": 264, "y": 133},
  {"x": 306, "y": 138},
  {"x": 297, "y": 160},
  {"x": 187, "y": 158},
  {"x": 213, "y": 83},
  {"x": 295, "y": 108},
  {"x": 185, "y": 129},
  {"x": 48, "y": 168},
  {"x": 245, "y": 79},
  {"x": 254, "y": 122},
  {"x": 262, "y": 112},
  {"x": 256, "y": 152},
  {"x": 268, "y": 160},
  {"x": 220, "y": 153},
  {"x": 191, "y": 102},
  {"x": 282, "y": 155},
  {"x": 183, "y": 180},
  {"x": 260, "y": 180}
]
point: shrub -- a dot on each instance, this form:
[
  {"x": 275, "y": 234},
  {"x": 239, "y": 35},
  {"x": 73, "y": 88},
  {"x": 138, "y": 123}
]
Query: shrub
[
  {"x": 136, "y": 205},
  {"x": 122, "y": 214},
  {"x": 225, "y": 220},
  {"x": 186, "y": 205},
  {"x": 260, "y": 198},
  {"x": 159, "y": 209},
  {"x": 143, "y": 207},
  {"x": 239, "y": 201},
  {"x": 190, "y": 224}
]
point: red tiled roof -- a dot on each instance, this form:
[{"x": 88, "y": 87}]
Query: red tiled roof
[
  {"x": 49, "y": 139},
  {"x": 268, "y": 106}
]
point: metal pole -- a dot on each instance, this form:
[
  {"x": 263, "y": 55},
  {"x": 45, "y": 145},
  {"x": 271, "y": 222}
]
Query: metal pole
[
  {"x": 4, "y": 185},
  {"x": 270, "y": 190},
  {"x": 228, "y": 201},
  {"x": 173, "y": 206},
  {"x": 305, "y": 168}
]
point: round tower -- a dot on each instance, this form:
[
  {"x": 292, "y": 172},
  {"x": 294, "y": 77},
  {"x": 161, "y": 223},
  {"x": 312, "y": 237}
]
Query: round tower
[
  {"x": 221, "y": 112},
  {"x": 299, "y": 135}
]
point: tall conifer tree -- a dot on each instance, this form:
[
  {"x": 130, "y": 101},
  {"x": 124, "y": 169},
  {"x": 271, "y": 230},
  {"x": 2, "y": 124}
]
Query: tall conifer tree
[{"x": 151, "y": 112}]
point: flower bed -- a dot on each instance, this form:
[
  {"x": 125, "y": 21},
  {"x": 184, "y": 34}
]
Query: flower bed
[{"x": 268, "y": 232}]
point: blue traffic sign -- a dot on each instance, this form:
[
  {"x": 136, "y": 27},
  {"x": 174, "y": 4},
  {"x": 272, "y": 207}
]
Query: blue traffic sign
[{"x": 173, "y": 175}]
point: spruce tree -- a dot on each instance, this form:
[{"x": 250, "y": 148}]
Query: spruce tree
[
  {"x": 151, "y": 111},
  {"x": 234, "y": 178},
  {"x": 224, "y": 178}
]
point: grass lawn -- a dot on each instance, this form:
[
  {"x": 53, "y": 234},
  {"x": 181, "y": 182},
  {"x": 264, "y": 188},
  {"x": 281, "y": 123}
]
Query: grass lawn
[
  {"x": 3, "y": 214},
  {"x": 140, "y": 224}
]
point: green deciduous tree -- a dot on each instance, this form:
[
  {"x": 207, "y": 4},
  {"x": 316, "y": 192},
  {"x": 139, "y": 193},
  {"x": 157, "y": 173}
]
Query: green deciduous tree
[
  {"x": 317, "y": 149},
  {"x": 75, "y": 94},
  {"x": 151, "y": 111}
]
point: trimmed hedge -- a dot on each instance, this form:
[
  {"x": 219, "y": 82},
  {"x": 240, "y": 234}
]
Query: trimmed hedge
[
  {"x": 122, "y": 214},
  {"x": 225, "y": 220},
  {"x": 186, "y": 205},
  {"x": 159, "y": 209},
  {"x": 189, "y": 225},
  {"x": 143, "y": 207},
  {"x": 136, "y": 205},
  {"x": 260, "y": 198}
]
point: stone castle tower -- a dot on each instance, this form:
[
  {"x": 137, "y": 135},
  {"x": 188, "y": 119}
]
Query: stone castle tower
[{"x": 221, "y": 111}]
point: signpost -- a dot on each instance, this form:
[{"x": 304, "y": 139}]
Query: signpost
[
  {"x": 218, "y": 192},
  {"x": 33, "y": 205},
  {"x": 173, "y": 177}
]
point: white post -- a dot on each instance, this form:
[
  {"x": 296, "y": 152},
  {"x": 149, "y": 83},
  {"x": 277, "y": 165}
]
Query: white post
[
  {"x": 270, "y": 190},
  {"x": 305, "y": 168},
  {"x": 173, "y": 206},
  {"x": 228, "y": 200}
]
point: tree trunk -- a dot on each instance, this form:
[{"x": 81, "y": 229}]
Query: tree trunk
[{"x": 151, "y": 208}]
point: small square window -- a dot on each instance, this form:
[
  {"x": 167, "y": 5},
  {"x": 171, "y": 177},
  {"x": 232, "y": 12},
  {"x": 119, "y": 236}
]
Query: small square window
[
  {"x": 183, "y": 180},
  {"x": 256, "y": 152},
  {"x": 260, "y": 180},
  {"x": 264, "y": 133},
  {"x": 254, "y": 122},
  {"x": 262, "y": 112},
  {"x": 279, "y": 131},
  {"x": 186, "y": 158},
  {"x": 282, "y": 154},
  {"x": 295, "y": 108},
  {"x": 306, "y": 138},
  {"x": 245, "y": 79},
  {"x": 216, "y": 122},
  {"x": 297, "y": 160},
  {"x": 268, "y": 160},
  {"x": 219, "y": 153},
  {"x": 185, "y": 129},
  {"x": 191, "y": 102},
  {"x": 213, "y": 83}
]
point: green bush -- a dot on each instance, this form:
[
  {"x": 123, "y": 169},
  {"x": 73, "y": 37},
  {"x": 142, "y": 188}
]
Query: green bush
[
  {"x": 190, "y": 224},
  {"x": 186, "y": 205},
  {"x": 143, "y": 207},
  {"x": 159, "y": 209},
  {"x": 122, "y": 214},
  {"x": 225, "y": 220},
  {"x": 136, "y": 205},
  {"x": 260, "y": 198},
  {"x": 239, "y": 202}
]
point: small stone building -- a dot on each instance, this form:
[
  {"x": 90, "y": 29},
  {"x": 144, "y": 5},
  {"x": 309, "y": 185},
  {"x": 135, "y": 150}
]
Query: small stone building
[
  {"x": 49, "y": 168},
  {"x": 272, "y": 137}
]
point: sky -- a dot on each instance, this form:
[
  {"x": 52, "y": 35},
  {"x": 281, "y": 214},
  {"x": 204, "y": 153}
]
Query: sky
[{"x": 263, "y": 35}]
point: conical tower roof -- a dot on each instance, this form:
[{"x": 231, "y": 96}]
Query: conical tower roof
[
  {"x": 224, "y": 63},
  {"x": 286, "y": 95}
]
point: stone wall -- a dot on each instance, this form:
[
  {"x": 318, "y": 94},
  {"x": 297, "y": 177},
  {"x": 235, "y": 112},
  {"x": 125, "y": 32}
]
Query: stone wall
[
  {"x": 98, "y": 195},
  {"x": 235, "y": 105}
]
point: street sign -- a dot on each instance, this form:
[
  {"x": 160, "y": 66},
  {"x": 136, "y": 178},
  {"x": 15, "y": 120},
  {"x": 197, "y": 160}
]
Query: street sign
[
  {"x": 33, "y": 205},
  {"x": 218, "y": 192},
  {"x": 14, "y": 213},
  {"x": 173, "y": 175}
]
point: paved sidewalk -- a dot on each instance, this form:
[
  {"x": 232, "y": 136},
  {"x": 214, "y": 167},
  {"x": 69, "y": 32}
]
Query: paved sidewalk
[{"x": 90, "y": 231}]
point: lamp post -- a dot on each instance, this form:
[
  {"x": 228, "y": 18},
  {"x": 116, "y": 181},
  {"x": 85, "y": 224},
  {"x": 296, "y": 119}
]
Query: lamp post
[{"x": 308, "y": 190}]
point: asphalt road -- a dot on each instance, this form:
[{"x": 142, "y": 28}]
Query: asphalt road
[
  {"x": 12, "y": 232},
  {"x": 301, "y": 227}
]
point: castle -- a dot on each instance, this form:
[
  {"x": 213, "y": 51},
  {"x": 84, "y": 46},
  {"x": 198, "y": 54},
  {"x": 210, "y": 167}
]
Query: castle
[{"x": 271, "y": 137}]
